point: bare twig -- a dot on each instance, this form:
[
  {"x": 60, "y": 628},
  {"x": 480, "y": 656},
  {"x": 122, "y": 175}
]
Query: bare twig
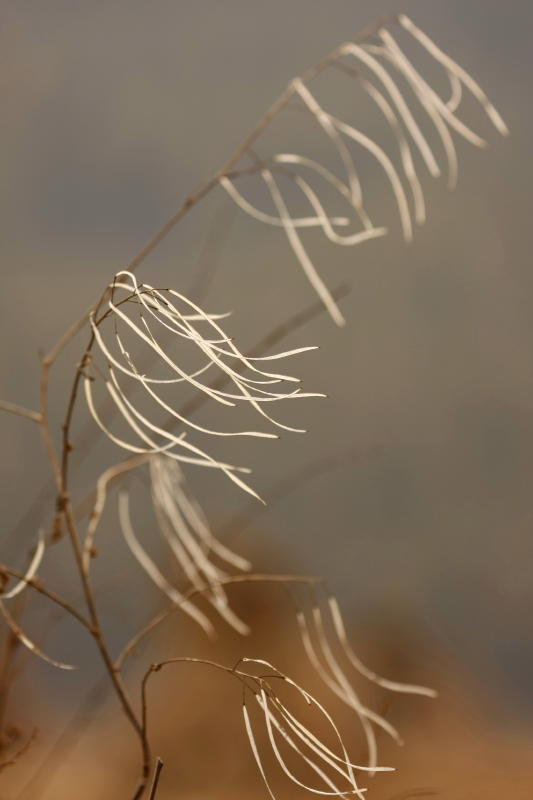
[
  {"x": 13, "y": 408},
  {"x": 36, "y": 584},
  {"x": 155, "y": 780},
  {"x": 194, "y": 592}
]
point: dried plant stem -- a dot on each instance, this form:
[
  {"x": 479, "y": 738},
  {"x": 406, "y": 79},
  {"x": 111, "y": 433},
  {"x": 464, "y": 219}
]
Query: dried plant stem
[
  {"x": 39, "y": 586},
  {"x": 9, "y": 652},
  {"x": 64, "y": 509},
  {"x": 194, "y": 592},
  {"x": 180, "y": 660},
  {"x": 155, "y": 780},
  {"x": 67, "y": 445},
  {"x": 13, "y": 408},
  {"x": 96, "y": 632}
]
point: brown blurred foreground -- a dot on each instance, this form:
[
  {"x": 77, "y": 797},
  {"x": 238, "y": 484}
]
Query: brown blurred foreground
[{"x": 456, "y": 747}]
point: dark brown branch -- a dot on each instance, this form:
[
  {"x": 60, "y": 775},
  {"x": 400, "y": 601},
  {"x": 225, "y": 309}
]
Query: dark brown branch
[{"x": 155, "y": 780}]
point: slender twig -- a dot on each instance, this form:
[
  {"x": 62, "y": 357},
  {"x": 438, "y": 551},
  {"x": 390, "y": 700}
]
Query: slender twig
[
  {"x": 13, "y": 408},
  {"x": 36, "y": 584},
  {"x": 97, "y": 634},
  {"x": 7, "y": 671},
  {"x": 155, "y": 780},
  {"x": 157, "y": 667},
  {"x": 64, "y": 508},
  {"x": 195, "y": 591}
]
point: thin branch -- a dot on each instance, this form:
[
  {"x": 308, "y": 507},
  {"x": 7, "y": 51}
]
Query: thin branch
[
  {"x": 195, "y": 591},
  {"x": 36, "y": 584},
  {"x": 13, "y": 408},
  {"x": 155, "y": 780}
]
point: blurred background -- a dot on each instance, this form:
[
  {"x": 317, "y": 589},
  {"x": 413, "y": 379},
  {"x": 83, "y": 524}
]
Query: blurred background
[{"x": 411, "y": 492}]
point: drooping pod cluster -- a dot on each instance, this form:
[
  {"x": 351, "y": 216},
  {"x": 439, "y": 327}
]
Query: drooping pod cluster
[
  {"x": 291, "y": 741},
  {"x": 148, "y": 314},
  {"x": 202, "y": 560},
  {"x": 326, "y": 645},
  {"x": 401, "y": 94}
]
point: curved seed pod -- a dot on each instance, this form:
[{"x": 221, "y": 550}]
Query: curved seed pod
[
  {"x": 280, "y": 722},
  {"x": 187, "y": 533},
  {"x": 28, "y": 643},
  {"x": 455, "y": 72},
  {"x": 30, "y": 573},
  {"x": 403, "y": 109},
  {"x": 392, "y": 686},
  {"x": 304, "y": 222},
  {"x": 153, "y": 571}
]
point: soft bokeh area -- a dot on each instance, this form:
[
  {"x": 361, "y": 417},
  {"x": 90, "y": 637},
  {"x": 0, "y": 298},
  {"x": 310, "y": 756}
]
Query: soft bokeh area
[{"x": 411, "y": 492}]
